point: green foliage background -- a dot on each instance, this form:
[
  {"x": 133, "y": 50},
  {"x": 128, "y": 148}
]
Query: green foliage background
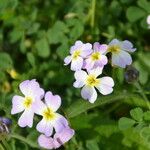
[{"x": 35, "y": 37}]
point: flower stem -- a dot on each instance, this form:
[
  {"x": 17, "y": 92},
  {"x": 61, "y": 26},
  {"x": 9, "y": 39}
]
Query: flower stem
[
  {"x": 25, "y": 140},
  {"x": 93, "y": 13},
  {"x": 138, "y": 86},
  {"x": 1, "y": 147},
  {"x": 6, "y": 145}
]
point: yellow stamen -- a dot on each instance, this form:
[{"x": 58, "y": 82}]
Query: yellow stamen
[
  {"x": 76, "y": 54},
  {"x": 114, "y": 49},
  {"x": 28, "y": 102},
  {"x": 48, "y": 114},
  {"x": 92, "y": 80},
  {"x": 95, "y": 56}
]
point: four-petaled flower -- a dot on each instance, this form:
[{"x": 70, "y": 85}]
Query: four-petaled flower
[
  {"x": 58, "y": 139},
  {"x": 90, "y": 81},
  {"x": 78, "y": 52},
  {"x": 51, "y": 119},
  {"x": 97, "y": 58},
  {"x": 32, "y": 95},
  {"x": 119, "y": 50}
]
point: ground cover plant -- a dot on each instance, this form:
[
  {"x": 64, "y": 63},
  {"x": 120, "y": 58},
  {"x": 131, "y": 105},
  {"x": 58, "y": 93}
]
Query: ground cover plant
[{"x": 75, "y": 75}]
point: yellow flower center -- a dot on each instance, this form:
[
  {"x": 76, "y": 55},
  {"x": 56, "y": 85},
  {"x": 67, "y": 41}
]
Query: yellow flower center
[
  {"x": 76, "y": 54},
  {"x": 92, "y": 80},
  {"x": 48, "y": 114},
  {"x": 114, "y": 49},
  {"x": 27, "y": 102},
  {"x": 95, "y": 56}
]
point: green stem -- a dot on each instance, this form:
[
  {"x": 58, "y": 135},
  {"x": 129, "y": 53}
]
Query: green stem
[
  {"x": 93, "y": 13},
  {"x": 138, "y": 86},
  {"x": 25, "y": 140},
  {"x": 1, "y": 147},
  {"x": 6, "y": 144}
]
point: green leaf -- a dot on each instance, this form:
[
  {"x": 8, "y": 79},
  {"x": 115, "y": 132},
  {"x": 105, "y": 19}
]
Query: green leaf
[
  {"x": 56, "y": 34},
  {"x": 92, "y": 145},
  {"x": 144, "y": 4},
  {"x": 137, "y": 114},
  {"x": 31, "y": 59},
  {"x": 147, "y": 115},
  {"x": 81, "y": 105},
  {"x": 145, "y": 132},
  {"x": 125, "y": 123},
  {"x": 5, "y": 61},
  {"x": 42, "y": 48},
  {"x": 135, "y": 13}
]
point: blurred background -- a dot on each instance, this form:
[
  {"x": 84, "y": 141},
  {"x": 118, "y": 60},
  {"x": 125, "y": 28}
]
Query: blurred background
[{"x": 35, "y": 37}]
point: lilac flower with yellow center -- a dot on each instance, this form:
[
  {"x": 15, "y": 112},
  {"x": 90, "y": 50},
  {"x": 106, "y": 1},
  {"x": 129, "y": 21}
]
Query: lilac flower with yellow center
[
  {"x": 91, "y": 81},
  {"x": 50, "y": 119},
  {"x": 59, "y": 139},
  {"x": 78, "y": 52},
  {"x": 120, "y": 55},
  {"x": 32, "y": 95},
  {"x": 97, "y": 58}
]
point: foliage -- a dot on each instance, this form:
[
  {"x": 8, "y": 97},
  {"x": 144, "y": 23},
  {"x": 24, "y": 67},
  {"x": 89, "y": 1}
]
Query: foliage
[{"x": 35, "y": 37}]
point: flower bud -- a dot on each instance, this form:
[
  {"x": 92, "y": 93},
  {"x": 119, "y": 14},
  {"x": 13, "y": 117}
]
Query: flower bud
[{"x": 131, "y": 74}]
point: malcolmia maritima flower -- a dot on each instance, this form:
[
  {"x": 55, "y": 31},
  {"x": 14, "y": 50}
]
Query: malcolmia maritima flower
[
  {"x": 119, "y": 50},
  {"x": 51, "y": 119},
  {"x": 89, "y": 81},
  {"x": 97, "y": 58},
  {"x": 78, "y": 52},
  {"x": 58, "y": 139},
  {"x": 32, "y": 95}
]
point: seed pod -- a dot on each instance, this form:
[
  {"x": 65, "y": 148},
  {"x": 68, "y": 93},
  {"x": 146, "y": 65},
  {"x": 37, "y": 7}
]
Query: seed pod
[{"x": 131, "y": 74}]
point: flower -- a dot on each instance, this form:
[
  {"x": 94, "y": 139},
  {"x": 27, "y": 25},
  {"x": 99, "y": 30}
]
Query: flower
[
  {"x": 119, "y": 50},
  {"x": 90, "y": 81},
  {"x": 50, "y": 119},
  {"x": 78, "y": 52},
  {"x": 148, "y": 21},
  {"x": 32, "y": 95},
  {"x": 97, "y": 58},
  {"x": 59, "y": 139}
]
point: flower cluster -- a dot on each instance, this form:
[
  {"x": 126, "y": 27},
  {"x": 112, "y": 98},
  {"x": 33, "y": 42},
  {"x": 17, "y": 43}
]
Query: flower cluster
[
  {"x": 32, "y": 103},
  {"x": 88, "y": 62}
]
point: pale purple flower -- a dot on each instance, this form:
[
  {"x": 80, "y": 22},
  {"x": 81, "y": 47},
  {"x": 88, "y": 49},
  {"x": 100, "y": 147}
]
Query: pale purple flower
[
  {"x": 51, "y": 119},
  {"x": 32, "y": 95},
  {"x": 97, "y": 58},
  {"x": 59, "y": 139},
  {"x": 78, "y": 52},
  {"x": 91, "y": 81},
  {"x": 119, "y": 50}
]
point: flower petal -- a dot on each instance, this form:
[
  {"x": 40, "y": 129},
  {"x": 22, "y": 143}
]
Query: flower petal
[
  {"x": 62, "y": 137},
  {"x": 127, "y": 46},
  {"x": 86, "y": 50},
  {"x": 17, "y": 104},
  {"x": 96, "y": 71},
  {"x": 26, "y": 119},
  {"x": 60, "y": 123},
  {"x": 105, "y": 85},
  {"x": 52, "y": 101},
  {"x": 45, "y": 127},
  {"x": 78, "y": 45},
  {"x": 100, "y": 63},
  {"x": 89, "y": 64},
  {"x": 100, "y": 48},
  {"x": 67, "y": 60},
  {"x": 24, "y": 87},
  {"x": 89, "y": 93},
  {"x": 77, "y": 64},
  {"x": 122, "y": 59},
  {"x": 38, "y": 107},
  {"x": 46, "y": 142},
  {"x": 115, "y": 42}
]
